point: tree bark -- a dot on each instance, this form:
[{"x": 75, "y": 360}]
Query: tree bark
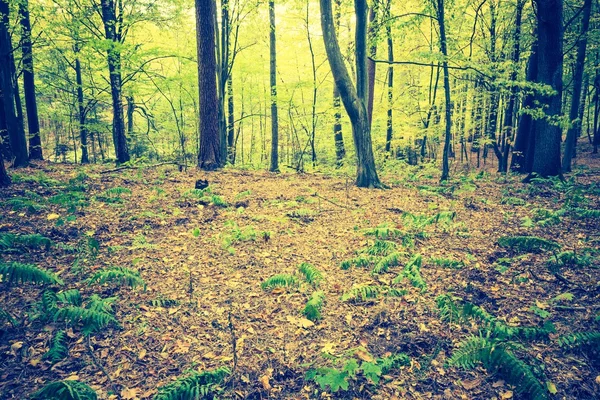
[
  {"x": 14, "y": 125},
  {"x": 546, "y": 156},
  {"x": 353, "y": 98},
  {"x": 340, "y": 151},
  {"x": 209, "y": 156},
  {"x": 575, "y": 122},
  {"x": 83, "y": 134},
  {"x": 33, "y": 123},
  {"x": 371, "y": 66},
  {"x": 4, "y": 177},
  {"x": 390, "y": 94},
  {"x": 109, "y": 19},
  {"x": 273, "y": 82}
]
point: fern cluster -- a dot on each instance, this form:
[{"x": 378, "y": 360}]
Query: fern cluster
[
  {"x": 195, "y": 385},
  {"x": 121, "y": 275},
  {"x": 384, "y": 232},
  {"x": 310, "y": 273},
  {"x": 279, "y": 280},
  {"x": 447, "y": 263},
  {"x": 358, "y": 261},
  {"x": 59, "y": 348},
  {"x": 381, "y": 248},
  {"x": 581, "y": 339},
  {"x": 370, "y": 292},
  {"x": 385, "y": 263},
  {"x": 412, "y": 272},
  {"x": 5, "y": 316},
  {"x": 495, "y": 357},
  {"x": 10, "y": 241},
  {"x": 65, "y": 390},
  {"x": 20, "y": 203},
  {"x": 313, "y": 307},
  {"x": 583, "y": 213},
  {"x": 529, "y": 244},
  {"x": 15, "y": 272}
]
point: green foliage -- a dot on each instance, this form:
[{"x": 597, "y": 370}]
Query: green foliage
[
  {"x": 370, "y": 292},
  {"x": 412, "y": 272},
  {"x": 15, "y": 272},
  {"x": 10, "y": 241},
  {"x": 385, "y": 263},
  {"x": 313, "y": 307},
  {"x": 20, "y": 203},
  {"x": 120, "y": 275},
  {"x": 39, "y": 178},
  {"x": 71, "y": 201},
  {"x": 359, "y": 261},
  {"x": 513, "y": 201},
  {"x": 384, "y": 232},
  {"x": 529, "y": 244},
  {"x": 568, "y": 259},
  {"x": 311, "y": 274},
  {"x": 6, "y": 317},
  {"x": 141, "y": 242},
  {"x": 581, "y": 339},
  {"x": 495, "y": 356},
  {"x": 236, "y": 235},
  {"x": 65, "y": 390},
  {"x": 280, "y": 280},
  {"x": 113, "y": 195},
  {"x": 195, "y": 385},
  {"x": 582, "y": 213},
  {"x": 95, "y": 316},
  {"x": 71, "y": 296},
  {"x": 160, "y": 302},
  {"x": 381, "y": 248},
  {"x": 59, "y": 348},
  {"x": 447, "y": 262},
  {"x": 545, "y": 218}
]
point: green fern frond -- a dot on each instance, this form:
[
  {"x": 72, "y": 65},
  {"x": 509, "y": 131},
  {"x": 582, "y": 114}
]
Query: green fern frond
[
  {"x": 580, "y": 339},
  {"x": 448, "y": 310},
  {"x": 196, "y": 385},
  {"x": 311, "y": 274},
  {"x": 393, "y": 362},
  {"x": 447, "y": 263},
  {"x": 384, "y": 232},
  {"x": 381, "y": 248},
  {"x": 412, "y": 272},
  {"x": 15, "y": 272},
  {"x": 5, "y": 316},
  {"x": 362, "y": 293},
  {"x": 20, "y": 203},
  {"x": 392, "y": 292},
  {"x": 65, "y": 390},
  {"x": 121, "y": 275},
  {"x": 71, "y": 296},
  {"x": 116, "y": 191},
  {"x": 529, "y": 244},
  {"x": 313, "y": 307},
  {"x": 358, "y": 262},
  {"x": 387, "y": 262},
  {"x": 10, "y": 241},
  {"x": 96, "y": 315},
  {"x": 280, "y": 280},
  {"x": 59, "y": 349},
  {"x": 159, "y": 302},
  {"x": 582, "y": 213}
]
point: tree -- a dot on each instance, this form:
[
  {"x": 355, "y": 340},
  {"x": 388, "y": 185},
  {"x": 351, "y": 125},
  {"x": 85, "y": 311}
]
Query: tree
[
  {"x": 209, "y": 157},
  {"x": 273, "y": 81},
  {"x": 338, "y": 136},
  {"x": 547, "y": 132},
  {"x": 575, "y": 122},
  {"x": 353, "y": 98},
  {"x": 14, "y": 125},
  {"x": 113, "y": 36},
  {"x": 4, "y": 177},
  {"x": 439, "y": 7},
  {"x": 390, "y": 79},
  {"x": 35, "y": 142}
]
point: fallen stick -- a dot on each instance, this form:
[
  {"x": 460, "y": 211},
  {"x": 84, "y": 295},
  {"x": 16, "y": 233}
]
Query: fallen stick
[
  {"x": 329, "y": 201},
  {"x": 142, "y": 166}
]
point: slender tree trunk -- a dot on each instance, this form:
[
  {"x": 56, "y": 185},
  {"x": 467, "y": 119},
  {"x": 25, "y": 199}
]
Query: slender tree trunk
[
  {"x": 546, "y": 156},
  {"x": 448, "y": 108},
  {"x": 575, "y": 122},
  {"x": 353, "y": 98},
  {"x": 273, "y": 81},
  {"x": 81, "y": 109},
  {"x": 340, "y": 151},
  {"x": 371, "y": 66},
  {"x": 230, "y": 120},
  {"x": 33, "y": 123},
  {"x": 114, "y": 68},
  {"x": 509, "y": 118},
  {"x": 16, "y": 133},
  {"x": 4, "y": 177},
  {"x": 390, "y": 94},
  {"x": 209, "y": 157},
  {"x": 596, "y": 141}
]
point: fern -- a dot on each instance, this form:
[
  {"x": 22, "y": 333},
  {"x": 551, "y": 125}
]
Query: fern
[
  {"x": 381, "y": 248},
  {"x": 387, "y": 262},
  {"x": 20, "y": 203},
  {"x": 447, "y": 263},
  {"x": 311, "y": 274},
  {"x": 9, "y": 241},
  {"x": 359, "y": 262},
  {"x": 59, "y": 350},
  {"x": 121, "y": 275},
  {"x": 71, "y": 296},
  {"x": 65, "y": 390},
  {"x": 159, "y": 302},
  {"x": 95, "y": 316},
  {"x": 196, "y": 385},
  {"x": 313, "y": 307},
  {"x": 5, "y": 316},
  {"x": 447, "y": 308},
  {"x": 529, "y": 244},
  {"x": 582, "y": 213},
  {"x": 495, "y": 357},
  {"x": 412, "y": 272},
  {"x": 362, "y": 293},
  {"x": 116, "y": 191},
  {"x": 580, "y": 339},
  {"x": 384, "y": 232},
  {"x": 280, "y": 280},
  {"x": 15, "y": 272}
]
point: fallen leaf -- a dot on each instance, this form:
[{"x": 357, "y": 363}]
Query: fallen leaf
[
  {"x": 551, "y": 387},
  {"x": 129, "y": 394},
  {"x": 598, "y": 379},
  {"x": 16, "y": 346},
  {"x": 142, "y": 354},
  {"x": 52, "y": 216},
  {"x": 364, "y": 356},
  {"x": 506, "y": 395},
  {"x": 471, "y": 384}
]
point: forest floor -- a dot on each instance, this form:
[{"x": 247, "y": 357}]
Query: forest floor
[{"x": 203, "y": 256}]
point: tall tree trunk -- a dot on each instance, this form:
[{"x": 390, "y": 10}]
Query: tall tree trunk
[
  {"x": 33, "y": 123},
  {"x": 448, "y": 107},
  {"x": 546, "y": 156},
  {"x": 230, "y": 120},
  {"x": 81, "y": 108},
  {"x": 209, "y": 157},
  {"x": 575, "y": 122},
  {"x": 354, "y": 98},
  {"x": 114, "y": 68},
  {"x": 509, "y": 116},
  {"x": 16, "y": 133},
  {"x": 522, "y": 156},
  {"x": 596, "y": 100},
  {"x": 492, "y": 123},
  {"x": 340, "y": 151},
  {"x": 4, "y": 178},
  {"x": 390, "y": 77},
  {"x": 371, "y": 66},
  {"x": 273, "y": 82}
]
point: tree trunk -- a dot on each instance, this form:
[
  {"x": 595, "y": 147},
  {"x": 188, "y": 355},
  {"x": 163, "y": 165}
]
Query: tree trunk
[
  {"x": 596, "y": 141},
  {"x": 273, "y": 81},
  {"x": 546, "y": 156},
  {"x": 230, "y": 120},
  {"x": 354, "y": 98},
  {"x": 575, "y": 122},
  {"x": 390, "y": 94},
  {"x": 209, "y": 157},
  {"x": 509, "y": 118},
  {"x": 33, "y": 123},
  {"x": 16, "y": 133},
  {"x": 4, "y": 177},
  {"x": 371, "y": 66},
  {"x": 448, "y": 108},
  {"x": 340, "y": 151},
  {"x": 81, "y": 109},
  {"x": 114, "y": 68}
]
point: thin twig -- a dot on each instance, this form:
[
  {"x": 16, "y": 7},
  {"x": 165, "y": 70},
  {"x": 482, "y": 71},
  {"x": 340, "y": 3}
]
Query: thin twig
[{"x": 329, "y": 201}]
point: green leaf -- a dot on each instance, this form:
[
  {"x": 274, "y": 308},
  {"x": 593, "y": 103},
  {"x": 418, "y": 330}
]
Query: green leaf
[
  {"x": 335, "y": 379},
  {"x": 371, "y": 371}
]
